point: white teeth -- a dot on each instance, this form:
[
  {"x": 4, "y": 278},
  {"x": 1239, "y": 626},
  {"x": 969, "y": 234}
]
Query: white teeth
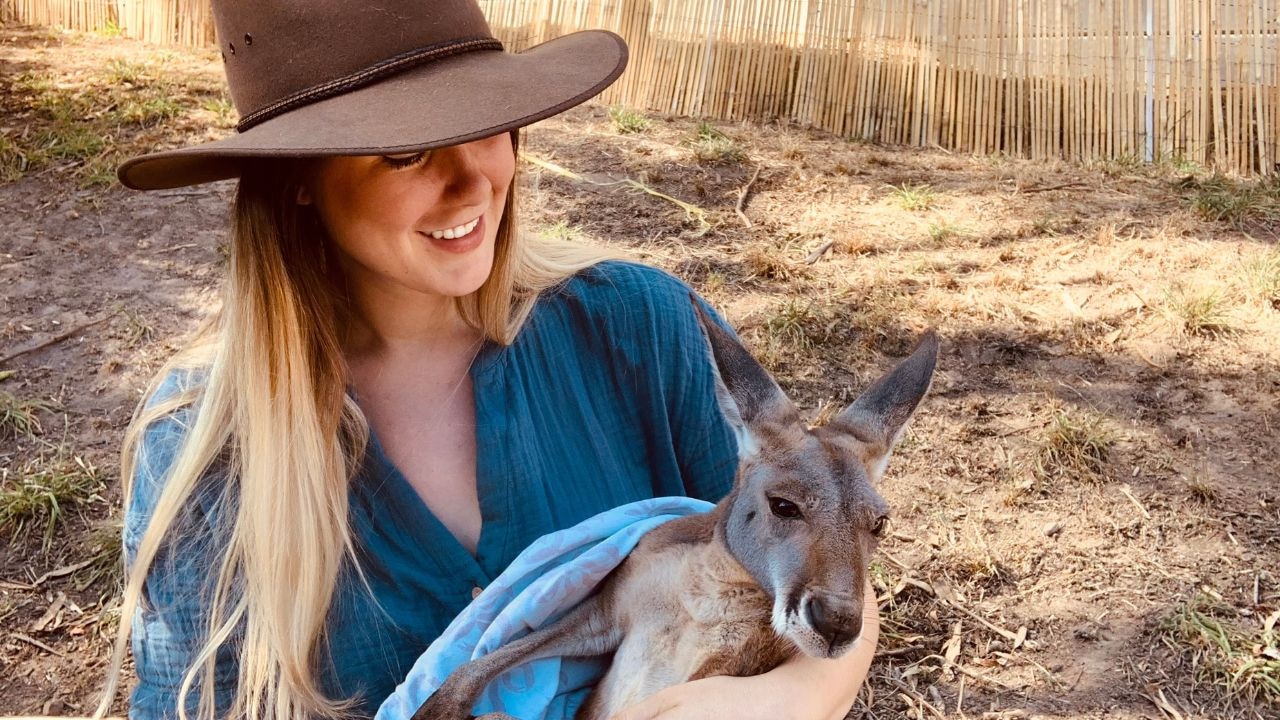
[{"x": 456, "y": 232}]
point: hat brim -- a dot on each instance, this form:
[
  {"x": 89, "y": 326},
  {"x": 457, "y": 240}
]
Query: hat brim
[{"x": 447, "y": 102}]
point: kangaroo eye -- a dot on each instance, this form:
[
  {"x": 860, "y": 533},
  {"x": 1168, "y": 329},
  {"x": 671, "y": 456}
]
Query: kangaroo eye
[
  {"x": 784, "y": 508},
  {"x": 879, "y": 527}
]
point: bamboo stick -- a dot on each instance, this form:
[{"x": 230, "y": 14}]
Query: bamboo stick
[{"x": 1078, "y": 79}]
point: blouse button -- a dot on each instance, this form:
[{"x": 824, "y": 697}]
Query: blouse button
[{"x": 475, "y": 592}]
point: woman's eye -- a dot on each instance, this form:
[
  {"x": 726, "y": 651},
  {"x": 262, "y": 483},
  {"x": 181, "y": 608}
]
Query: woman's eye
[
  {"x": 784, "y": 508},
  {"x": 405, "y": 159},
  {"x": 878, "y": 528}
]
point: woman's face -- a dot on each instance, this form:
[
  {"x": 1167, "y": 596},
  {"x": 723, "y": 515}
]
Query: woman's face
[{"x": 424, "y": 223}]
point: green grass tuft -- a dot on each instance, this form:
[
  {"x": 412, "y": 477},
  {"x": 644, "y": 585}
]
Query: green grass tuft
[
  {"x": 940, "y": 233},
  {"x": 110, "y": 29},
  {"x": 121, "y": 72},
  {"x": 627, "y": 121},
  {"x": 20, "y": 418},
  {"x": 1238, "y": 656},
  {"x": 38, "y": 496},
  {"x": 711, "y": 146},
  {"x": 914, "y": 197},
  {"x": 14, "y": 161},
  {"x": 148, "y": 110},
  {"x": 70, "y": 142},
  {"x": 223, "y": 111}
]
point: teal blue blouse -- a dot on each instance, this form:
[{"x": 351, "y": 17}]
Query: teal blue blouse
[{"x": 606, "y": 397}]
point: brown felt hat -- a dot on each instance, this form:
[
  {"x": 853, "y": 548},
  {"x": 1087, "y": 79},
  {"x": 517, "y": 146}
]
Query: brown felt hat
[{"x": 335, "y": 77}]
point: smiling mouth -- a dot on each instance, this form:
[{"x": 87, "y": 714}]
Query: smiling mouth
[{"x": 454, "y": 232}]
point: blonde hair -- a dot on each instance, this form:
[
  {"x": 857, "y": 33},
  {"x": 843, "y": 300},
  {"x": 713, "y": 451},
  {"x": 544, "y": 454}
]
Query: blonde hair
[{"x": 272, "y": 410}]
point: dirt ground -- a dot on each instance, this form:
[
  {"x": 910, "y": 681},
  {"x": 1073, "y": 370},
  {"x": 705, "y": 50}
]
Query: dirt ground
[{"x": 1086, "y": 510}]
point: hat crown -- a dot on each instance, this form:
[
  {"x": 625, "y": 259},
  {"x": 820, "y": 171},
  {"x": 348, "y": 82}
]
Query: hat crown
[{"x": 274, "y": 50}]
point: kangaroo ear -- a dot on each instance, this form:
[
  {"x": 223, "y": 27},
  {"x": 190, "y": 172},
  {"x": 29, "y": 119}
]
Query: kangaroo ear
[
  {"x": 747, "y": 394},
  {"x": 881, "y": 412}
]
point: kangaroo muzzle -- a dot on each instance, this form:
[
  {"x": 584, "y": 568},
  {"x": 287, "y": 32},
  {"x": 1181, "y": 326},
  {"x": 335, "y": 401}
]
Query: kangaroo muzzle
[{"x": 836, "y": 618}]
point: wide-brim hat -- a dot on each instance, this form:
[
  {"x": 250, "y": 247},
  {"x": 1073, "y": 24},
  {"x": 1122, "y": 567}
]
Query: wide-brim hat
[{"x": 327, "y": 77}]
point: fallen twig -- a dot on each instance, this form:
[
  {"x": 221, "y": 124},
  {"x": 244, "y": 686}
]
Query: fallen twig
[
  {"x": 983, "y": 678},
  {"x": 50, "y": 614},
  {"x": 1134, "y": 500},
  {"x": 1162, "y": 703},
  {"x": 816, "y": 255},
  {"x": 176, "y": 248},
  {"x": 60, "y": 572},
  {"x": 899, "y": 652},
  {"x": 32, "y": 641},
  {"x": 1051, "y": 188},
  {"x": 56, "y": 339},
  {"x": 742, "y": 197},
  {"x": 1016, "y": 638},
  {"x": 185, "y": 193},
  {"x": 18, "y": 261},
  {"x": 690, "y": 210},
  {"x": 910, "y": 696},
  {"x": 1147, "y": 360}
]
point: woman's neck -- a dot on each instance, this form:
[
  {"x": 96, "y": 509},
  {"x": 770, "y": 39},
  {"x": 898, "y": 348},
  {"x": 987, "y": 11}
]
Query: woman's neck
[{"x": 399, "y": 323}]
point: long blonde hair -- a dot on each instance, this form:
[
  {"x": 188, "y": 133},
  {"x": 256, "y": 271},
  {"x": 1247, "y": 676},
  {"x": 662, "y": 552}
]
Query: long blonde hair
[{"x": 271, "y": 409}]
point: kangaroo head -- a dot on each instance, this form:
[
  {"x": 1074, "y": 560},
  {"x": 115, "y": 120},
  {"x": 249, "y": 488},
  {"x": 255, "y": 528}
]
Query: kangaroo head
[{"x": 803, "y": 516}]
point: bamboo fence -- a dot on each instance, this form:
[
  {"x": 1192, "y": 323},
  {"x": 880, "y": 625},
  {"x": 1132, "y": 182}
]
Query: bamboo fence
[{"x": 1085, "y": 80}]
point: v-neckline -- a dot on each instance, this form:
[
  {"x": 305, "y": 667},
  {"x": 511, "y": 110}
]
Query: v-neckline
[{"x": 493, "y": 497}]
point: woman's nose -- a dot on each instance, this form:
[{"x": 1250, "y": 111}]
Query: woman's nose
[{"x": 463, "y": 170}]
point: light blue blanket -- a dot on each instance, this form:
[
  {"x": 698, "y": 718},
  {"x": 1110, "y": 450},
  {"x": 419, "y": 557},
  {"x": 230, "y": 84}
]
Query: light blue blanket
[{"x": 549, "y": 578}]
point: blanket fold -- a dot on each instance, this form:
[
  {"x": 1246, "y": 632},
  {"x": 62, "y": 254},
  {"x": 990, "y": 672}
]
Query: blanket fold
[{"x": 543, "y": 583}]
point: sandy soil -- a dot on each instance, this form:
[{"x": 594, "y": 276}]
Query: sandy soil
[{"x": 1093, "y": 478}]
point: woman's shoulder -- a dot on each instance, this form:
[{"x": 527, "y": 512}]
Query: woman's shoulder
[
  {"x": 167, "y": 415},
  {"x": 625, "y": 288},
  {"x": 168, "y": 409}
]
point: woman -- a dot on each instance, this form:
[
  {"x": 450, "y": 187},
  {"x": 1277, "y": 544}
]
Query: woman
[{"x": 399, "y": 392}]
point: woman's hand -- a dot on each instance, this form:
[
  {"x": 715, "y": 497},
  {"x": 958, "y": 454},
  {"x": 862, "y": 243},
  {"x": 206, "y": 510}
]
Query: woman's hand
[
  {"x": 718, "y": 697},
  {"x": 803, "y": 688}
]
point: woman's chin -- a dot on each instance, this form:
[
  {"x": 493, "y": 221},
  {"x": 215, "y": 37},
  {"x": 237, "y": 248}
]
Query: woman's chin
[{"x": 459, "y": 284}]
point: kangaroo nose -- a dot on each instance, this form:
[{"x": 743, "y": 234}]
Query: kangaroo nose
[{"x": 837, "y": 622}]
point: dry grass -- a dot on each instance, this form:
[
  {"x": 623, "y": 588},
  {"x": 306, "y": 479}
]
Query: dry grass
[
  {"x": 1151, "y": 472},
  {"x": 137, "y": 329},
  {"x": 1198, "y": 312},
  {"x": 561, "y": 230},
  {"x": 765, "y": 261},
  {"x": 1236, "y": 203},
  {"x": 85, "y": 124},
  {"x": 105, "y": 549},
  {"x": 1074, "y": 448},
  {"x": 1261, "y": 276}
]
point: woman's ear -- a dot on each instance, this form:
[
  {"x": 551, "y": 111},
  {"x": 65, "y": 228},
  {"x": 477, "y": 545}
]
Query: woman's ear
[{"x": 304, "y": 195}]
